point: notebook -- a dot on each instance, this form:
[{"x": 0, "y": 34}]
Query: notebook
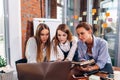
[{"x": 44, "y": 71}]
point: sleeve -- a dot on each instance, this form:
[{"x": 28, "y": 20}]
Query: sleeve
[
  {"x": 72, "y": 50},
  {"x": 55, "y": 56},
  {"x": 103, "y": 55},
  {"x": 31, "y": 50},
  {"x": 60, "y": 54},
  {"x": 80, "y": 52}
]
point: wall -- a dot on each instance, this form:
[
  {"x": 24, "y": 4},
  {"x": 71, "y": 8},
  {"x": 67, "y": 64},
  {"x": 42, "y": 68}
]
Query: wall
[
  {"x": 14, "y": 30},
  {"x": 53, "y": 11}
]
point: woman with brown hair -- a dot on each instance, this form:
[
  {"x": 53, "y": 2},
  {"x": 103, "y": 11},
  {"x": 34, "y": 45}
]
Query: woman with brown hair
[
  {"x": 63, "y": 45},
  {"x": 38, "y": 47},
  {"x": 91, "y": 47}
]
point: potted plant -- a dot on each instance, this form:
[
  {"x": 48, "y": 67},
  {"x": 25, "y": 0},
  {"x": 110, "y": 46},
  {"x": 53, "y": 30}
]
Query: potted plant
[
  {"x": 3, "y": 62},
  {"x": 5, "y": 70}
]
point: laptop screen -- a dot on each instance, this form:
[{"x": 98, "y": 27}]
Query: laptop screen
[{"x": 44, "y": 71}]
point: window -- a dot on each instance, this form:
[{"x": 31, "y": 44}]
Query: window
[
  {"x": 108, "y": 26},
  {"x": 59, "y": 9},
  {"x": 2, "y": 39},
  {"x": 4, "y": 30}
]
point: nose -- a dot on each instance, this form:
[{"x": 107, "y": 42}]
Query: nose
[
  {"x": 61, "y": 37},
  {"x": 45, "y": 37}
]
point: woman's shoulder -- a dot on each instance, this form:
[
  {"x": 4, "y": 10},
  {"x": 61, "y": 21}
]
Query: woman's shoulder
[
  {"x": 31, "y": 40},
  {"x": 31, "y": 44},
  {"x": 74, "y": 39},
  {"x": 100, "y": 40}
]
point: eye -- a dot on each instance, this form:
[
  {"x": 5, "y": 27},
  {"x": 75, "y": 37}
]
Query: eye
[
  {"x": 82, "y": 33},
  {"x": 42, "y": 34},
  {"x": 47, "y": 34},
  {"x": 64, "y": 35},
  {"x": 58, "y": 35}
]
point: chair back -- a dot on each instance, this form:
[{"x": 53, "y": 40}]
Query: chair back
[
  {"x": 44, "y": 71},
  {"x": 24, "y": 60}
]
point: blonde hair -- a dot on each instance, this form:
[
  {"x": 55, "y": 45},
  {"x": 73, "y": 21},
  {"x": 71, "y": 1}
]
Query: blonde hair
[{"x": 39, "y": 57}]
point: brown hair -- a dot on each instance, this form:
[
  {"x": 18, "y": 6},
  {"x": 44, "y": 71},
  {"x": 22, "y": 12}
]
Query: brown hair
[
  {"x": 64, "y": 28},
  {"x": 40, "y": 27},
  {"x": 84, "y": 25}
]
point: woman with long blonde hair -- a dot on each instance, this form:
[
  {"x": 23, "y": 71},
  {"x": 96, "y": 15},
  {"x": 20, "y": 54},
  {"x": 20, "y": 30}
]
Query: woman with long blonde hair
[{"x": 38, "y": 47}]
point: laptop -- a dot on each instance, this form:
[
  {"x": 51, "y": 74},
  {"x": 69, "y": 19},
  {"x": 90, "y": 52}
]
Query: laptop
[{"x": 44, "y": 71}]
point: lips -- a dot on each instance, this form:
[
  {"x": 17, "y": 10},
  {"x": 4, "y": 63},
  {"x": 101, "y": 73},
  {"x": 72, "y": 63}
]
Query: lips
[
  {"x": 44, "y": 40},
  {"x": 82, "y": 40}
]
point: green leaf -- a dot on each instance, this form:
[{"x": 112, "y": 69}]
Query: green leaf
[{"x": 2, "y": 62}]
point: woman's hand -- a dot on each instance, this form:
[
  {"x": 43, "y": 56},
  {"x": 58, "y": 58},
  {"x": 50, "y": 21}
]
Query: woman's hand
[
  {"x": 89, "y": 68},
  {"x": 86, "y": 69},
  {"x": 66, "y": 60},
  {"x": 58, "y": 60}
]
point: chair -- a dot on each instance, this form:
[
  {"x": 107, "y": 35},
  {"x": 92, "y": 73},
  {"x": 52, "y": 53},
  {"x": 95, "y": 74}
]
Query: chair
[
  {"x": 44, "y": 71},
  {"x": 24, "y": 60}
]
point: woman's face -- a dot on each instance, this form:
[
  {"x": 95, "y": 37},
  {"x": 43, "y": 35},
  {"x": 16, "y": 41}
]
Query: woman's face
[
  {"x": 62, "y": 36},
  {"x": 44, "y": 35},
  {"x": 83, "y": 34}
]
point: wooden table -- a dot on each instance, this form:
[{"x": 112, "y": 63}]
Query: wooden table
[
  {"x": 116, "y": 68},
  {"x": 87, "y": 78},
  {"x": 98, "y": 74}
]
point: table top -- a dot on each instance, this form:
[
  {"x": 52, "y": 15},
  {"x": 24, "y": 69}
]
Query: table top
[
  {"x": 98, "y": 74},
  {"x": 86, "y": 78},
  {"x": 116, "y": 68}
]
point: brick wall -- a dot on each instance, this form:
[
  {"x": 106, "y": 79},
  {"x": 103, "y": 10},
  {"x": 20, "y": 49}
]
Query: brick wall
[{"x": 53, "y": 9}]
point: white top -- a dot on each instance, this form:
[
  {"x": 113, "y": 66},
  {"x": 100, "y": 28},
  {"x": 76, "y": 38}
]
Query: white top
[
  {"x": 31, "y": 50},
  {"x": 65, "y": 47}
]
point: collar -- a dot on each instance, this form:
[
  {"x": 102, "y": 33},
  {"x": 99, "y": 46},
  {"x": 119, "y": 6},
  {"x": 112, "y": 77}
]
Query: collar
[{"x": 66, "y": 43}]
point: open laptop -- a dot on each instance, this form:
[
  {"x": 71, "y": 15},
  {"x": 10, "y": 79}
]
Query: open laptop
[{"x": 44, "y": 71}]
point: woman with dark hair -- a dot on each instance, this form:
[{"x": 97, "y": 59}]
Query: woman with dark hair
[
  {"x": 38, "y": 47},
  {"x": 64, "y": 45},
  {"x": 91, "y": 47}
]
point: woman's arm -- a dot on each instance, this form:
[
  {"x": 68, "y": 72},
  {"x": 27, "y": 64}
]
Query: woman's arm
[
  {"x": 56, "y": 56},
  {"x": 60, "y": 55},
  {"x": 89, "y": 68},
  {"x": 31, "y": 50},
  {"x": 103, "y": 56},
  {"x": 81, "y": 51},
  {"x": 72, "y": 51}
]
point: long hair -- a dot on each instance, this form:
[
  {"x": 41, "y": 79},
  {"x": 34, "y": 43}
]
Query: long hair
[
  {"x": 64, "y": 28},
  {"x": 39, "y": 57}
]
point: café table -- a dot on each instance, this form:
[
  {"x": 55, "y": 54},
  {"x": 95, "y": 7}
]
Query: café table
[{"x": 104, "y": 75}]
